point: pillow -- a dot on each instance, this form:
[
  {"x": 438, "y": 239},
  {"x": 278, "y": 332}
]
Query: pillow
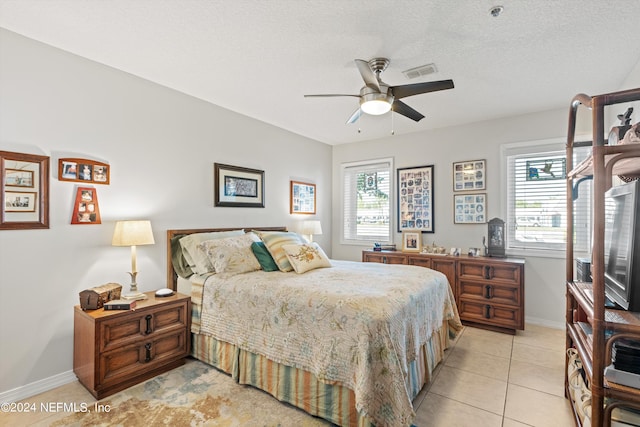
[
  {"x": 178, "y": 261},
  {"x": 264, "y": 257},
  {"x": 197, "y": 260},
  {"x": 232, "y": 254},
  {"x": 306, "y": 257},
  {"x": 274, "y": 240}
]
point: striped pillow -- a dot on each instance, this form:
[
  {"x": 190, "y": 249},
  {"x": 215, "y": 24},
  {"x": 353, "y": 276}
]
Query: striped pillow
[{"x": 274, "y": 240}]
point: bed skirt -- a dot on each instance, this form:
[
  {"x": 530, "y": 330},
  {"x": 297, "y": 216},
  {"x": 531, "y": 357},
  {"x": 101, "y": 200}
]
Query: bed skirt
[{"x": 300, "y": 388}]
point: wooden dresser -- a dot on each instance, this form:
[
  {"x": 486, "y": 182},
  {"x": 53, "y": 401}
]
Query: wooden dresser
[
  {"x": 113, "y": 350},
  {"x": 489, "y": 292}
]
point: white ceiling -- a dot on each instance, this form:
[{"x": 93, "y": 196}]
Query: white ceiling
[{"x": 260, "y": 57}]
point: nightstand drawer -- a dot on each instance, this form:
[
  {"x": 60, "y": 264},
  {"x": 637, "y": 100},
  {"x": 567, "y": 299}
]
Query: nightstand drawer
[
  {"x": 120, "y": 330},
  {"x": 141, "y": 356}
]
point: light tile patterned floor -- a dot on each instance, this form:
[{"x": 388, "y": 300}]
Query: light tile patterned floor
[
  {"x": 487, "y": 379},
  {"x": 491, "y": 379}
]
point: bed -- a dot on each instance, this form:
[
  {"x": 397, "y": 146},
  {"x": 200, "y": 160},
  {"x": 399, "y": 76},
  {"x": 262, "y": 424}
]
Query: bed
[{"x": 353, "y": 343}]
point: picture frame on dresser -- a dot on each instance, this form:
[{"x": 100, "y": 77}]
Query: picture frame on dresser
[
  {"x": 24, "y": 195},
  {"x": 236, "y": 186},
  {"x": 411, "y": 241},
  {"x": 415, "y": 199},
  {"x": 470, "y": 175}
]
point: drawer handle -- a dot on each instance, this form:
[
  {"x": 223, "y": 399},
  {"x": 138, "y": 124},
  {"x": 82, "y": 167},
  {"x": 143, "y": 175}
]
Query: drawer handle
[
  {"x": 487, "y": 292},
  {"x": 488, "y": 272},
  {"x": 148, "y": 318},
  {"x": 384, "y": 259},
  {"x": 487, "y": 311},
  {"x": 147, "y": 347}
]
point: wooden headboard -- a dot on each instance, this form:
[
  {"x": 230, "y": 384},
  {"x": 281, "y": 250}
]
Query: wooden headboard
[{"x": 172, "y": 277}]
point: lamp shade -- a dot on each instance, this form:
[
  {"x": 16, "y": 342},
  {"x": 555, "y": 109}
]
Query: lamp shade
[
  {"x": 311, "y": 227},
  {"x": 132, "y": 233}
]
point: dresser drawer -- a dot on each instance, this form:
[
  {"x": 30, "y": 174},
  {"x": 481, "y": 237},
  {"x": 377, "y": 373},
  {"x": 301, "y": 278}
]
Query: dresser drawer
[
  {"x": 121, "y": 330},
  {"x": 487, "y": 293},
  {"x": 491, "y": 314},
  {"x": 384, "y": 258},
  {"x": 503, "y": 272},
  {"x": 141, "y": 356}
]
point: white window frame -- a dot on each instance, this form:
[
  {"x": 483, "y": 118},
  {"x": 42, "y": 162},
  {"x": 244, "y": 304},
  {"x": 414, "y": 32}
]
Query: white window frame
[
  {"x": 367, "y": 242},
  {"x": 544, "y": 250}
]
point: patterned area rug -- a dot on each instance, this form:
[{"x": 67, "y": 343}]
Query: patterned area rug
[{"x": 192, "y": 395}]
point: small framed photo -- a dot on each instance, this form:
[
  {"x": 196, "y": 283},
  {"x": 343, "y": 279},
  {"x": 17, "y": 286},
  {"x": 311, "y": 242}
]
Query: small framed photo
[
  {"x": 474, "y": 252},
  {"x": 24, "y": 191},
  {"x": 236, "y": 186},
  {"x": 83, "y": 170},
  {"x": 85, "y": 208},
  {"x": 469, "y": 175},
  {"x": 470, "y": 208},
  {"x": 302, "y": 198},
  {"x": 412, "y": 241},
  {"x": 454, "y": 251}
]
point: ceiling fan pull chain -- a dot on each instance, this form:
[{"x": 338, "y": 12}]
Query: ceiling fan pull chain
[{"x": 393, "y": 132}]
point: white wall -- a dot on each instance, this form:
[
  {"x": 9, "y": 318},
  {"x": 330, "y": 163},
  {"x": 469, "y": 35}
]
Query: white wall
[{"x": 161, "y": 146}]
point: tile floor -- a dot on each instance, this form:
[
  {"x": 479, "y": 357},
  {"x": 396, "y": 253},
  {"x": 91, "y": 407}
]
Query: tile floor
[
  {"x": 490, "y": 379},
  {"x": 487, "y": 379}
]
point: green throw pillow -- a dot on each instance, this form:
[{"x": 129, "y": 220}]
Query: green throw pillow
[{"x": 264, "y": 257}]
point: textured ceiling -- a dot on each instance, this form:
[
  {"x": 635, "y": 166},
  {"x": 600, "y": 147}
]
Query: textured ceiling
[{"x": 259, "y": 57}]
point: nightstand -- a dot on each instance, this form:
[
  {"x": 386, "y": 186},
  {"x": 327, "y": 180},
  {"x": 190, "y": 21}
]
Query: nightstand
[{"x": 114, "y": 349}]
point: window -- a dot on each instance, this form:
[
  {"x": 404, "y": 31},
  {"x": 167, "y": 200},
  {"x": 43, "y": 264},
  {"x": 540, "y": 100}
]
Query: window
[
  {"x": 366, "y": 200},
  {"x": 536, "y": 198}
]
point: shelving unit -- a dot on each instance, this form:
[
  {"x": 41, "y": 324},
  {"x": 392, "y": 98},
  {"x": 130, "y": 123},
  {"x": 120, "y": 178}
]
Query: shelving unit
[{"x": 586, "y": 301}]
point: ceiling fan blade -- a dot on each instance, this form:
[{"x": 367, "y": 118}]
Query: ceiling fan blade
[
  {"x": 327, "y": 95},
  {"x": 402, "y": 108},
  {"x": 367, "y": 74},
  {"x": 355, "y": 116},
  {"x": 403, "y": 91}
]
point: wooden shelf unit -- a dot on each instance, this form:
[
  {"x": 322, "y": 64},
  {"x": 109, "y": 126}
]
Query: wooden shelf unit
[{"x": 586, "y": 301}]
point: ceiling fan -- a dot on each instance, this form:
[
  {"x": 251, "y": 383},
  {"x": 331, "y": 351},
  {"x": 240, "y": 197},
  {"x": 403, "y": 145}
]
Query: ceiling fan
[{"x": 377, "y": 97}]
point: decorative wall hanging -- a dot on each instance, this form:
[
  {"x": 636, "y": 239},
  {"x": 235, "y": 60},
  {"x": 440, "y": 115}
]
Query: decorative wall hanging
[
  {"x": 469, "y": 175},
  {"x": 238, "y": 187},
  {"x": 547, "y": 169},
  {"x": 85, "y": 208},
  {"x": 302, "y": 198},
  {"x": 470, "y": 208},
  {"x": 24, "y": 196},
  {"x": 415, "y": 199},
  {"x": 83, "y": 170}
]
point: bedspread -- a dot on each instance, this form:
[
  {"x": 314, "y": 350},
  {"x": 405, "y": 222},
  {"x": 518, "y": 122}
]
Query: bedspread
[{"x": 359, "y": 324}]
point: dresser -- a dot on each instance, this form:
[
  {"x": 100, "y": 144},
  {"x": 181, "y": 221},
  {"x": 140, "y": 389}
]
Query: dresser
[
  {"x": 115, "y": 349},
  {"x": 489, "y": 292}
]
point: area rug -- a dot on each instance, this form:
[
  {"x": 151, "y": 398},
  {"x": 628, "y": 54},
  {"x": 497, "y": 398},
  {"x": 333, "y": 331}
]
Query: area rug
[{"x": 194, "y": 394}]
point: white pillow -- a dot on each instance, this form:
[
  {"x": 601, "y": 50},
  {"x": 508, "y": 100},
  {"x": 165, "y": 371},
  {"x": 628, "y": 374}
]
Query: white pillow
[
  {"x": 306, "y": 257},
  {"x": 195, "y": 257},
  {"x": 232, "y": 254}
]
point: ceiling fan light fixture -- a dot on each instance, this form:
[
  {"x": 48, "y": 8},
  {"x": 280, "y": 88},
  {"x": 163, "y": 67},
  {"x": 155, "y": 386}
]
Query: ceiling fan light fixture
[{"x": 376, "y": 103}]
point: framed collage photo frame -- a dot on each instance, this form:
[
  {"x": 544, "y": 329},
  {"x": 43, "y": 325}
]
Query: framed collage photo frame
[
  {"x": 83, "y": 170},
  {"x": 85, "y": 208},
  {"x": 24, "y": 195},
  {"x": 235, "y": 186},
  {"x": 470, "y": 175},
  {"x": 302, "y": 198},
  {"x": 415, "y": 199},
  {"x": 470, "y": 208}
]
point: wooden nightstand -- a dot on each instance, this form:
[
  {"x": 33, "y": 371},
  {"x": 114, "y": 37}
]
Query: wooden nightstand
[{"x": 113, "y": 350}]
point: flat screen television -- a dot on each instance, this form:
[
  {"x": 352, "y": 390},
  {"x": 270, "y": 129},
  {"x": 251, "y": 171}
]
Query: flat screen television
[{"x": 622, "y": 246}]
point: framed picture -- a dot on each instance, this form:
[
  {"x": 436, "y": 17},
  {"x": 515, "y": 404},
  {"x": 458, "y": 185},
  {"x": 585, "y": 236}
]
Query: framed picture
[
  {"x": 24, "y": 195},
  {"x": 85, "y": 208},
  {"x": 83, "y": 170},
  {"x": 415, "y": 199},
  {"x": 469, "y": 175},
  {"x": 412, "y": 240},
  {"x": 238, "y": 187},
  {"x": 470, "y": 208},
  {"x": 302, "y": 198}
]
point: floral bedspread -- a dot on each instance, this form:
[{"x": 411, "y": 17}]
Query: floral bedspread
[{"x": 359, "y": 324}]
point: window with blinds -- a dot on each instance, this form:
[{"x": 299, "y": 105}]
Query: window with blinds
[
  {"x": 366, "y": 200},
  {"x": 537, "y": 199}
]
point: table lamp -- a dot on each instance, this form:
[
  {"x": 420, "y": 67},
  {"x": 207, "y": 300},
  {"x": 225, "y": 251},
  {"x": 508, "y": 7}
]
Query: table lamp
[
  {"x": 133, "y": 233},
  {"x": 309, "y": 228}
]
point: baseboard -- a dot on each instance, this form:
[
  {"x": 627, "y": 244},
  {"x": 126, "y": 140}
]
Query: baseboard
[
  {"x": 544, "y": 322},
  {"x": 37, "y": 387}
]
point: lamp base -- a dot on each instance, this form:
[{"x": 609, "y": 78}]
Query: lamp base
[{"x": 133, "y": 296}]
